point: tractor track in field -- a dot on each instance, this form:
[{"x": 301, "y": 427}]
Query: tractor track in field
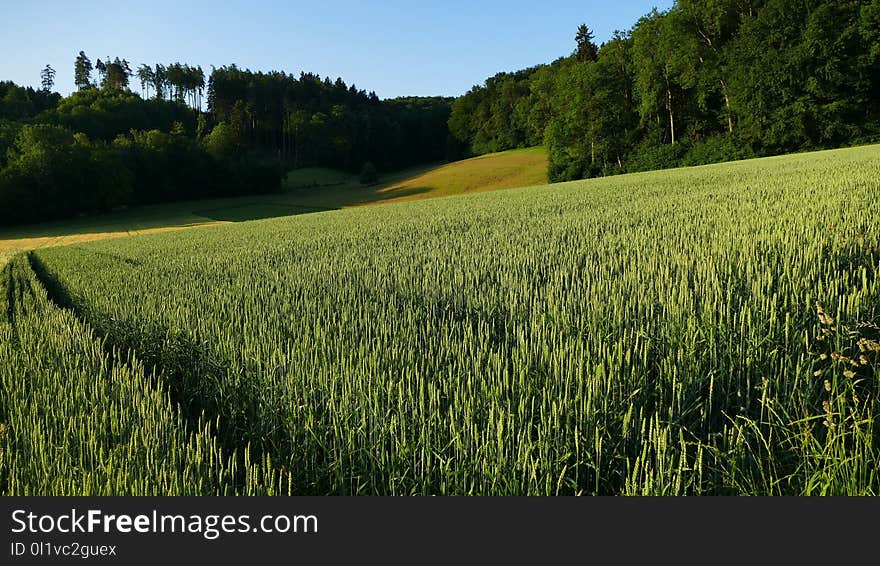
[{"x": 179, "y": 375}]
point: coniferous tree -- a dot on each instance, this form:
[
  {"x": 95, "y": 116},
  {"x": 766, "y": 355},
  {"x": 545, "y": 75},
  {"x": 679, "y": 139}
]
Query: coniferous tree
[
  {"x": 82, "y": 72},
  {"x": 47, "y": 78},
  {"x": 160, "y": 81},
  {"x": 101, "y": 67},
  {"x": 145, "y": 75},
  {"x": 586, "y": 49}
]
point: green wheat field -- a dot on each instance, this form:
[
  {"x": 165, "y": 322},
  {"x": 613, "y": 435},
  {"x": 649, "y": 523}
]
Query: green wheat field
[{"x": 709, "y": 330}]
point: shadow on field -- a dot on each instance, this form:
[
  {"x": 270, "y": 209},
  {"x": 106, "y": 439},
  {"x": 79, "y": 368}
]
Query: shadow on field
[
  {"x": 401, "y": 191},
  {"x": 257, "y": 211},
  {"x": 308, "y": 200}
]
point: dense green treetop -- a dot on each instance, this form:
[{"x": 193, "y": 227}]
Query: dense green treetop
[
  {"x": 707, "y": 80},
  {"x": 106, "y": 146}
]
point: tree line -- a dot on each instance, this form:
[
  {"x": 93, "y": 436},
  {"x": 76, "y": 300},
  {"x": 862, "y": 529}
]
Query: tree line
[
  {"x": 183, "y": 137},
  {"x": 706, "y": 81},
  {"x": 309, "y": 121}
]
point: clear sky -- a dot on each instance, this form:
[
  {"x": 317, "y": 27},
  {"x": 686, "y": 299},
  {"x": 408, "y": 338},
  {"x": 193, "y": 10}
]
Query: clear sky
[{"x": 394, "y": 47}]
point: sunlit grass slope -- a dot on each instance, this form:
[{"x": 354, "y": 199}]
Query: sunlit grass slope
[{"x": 505, "y": 170}]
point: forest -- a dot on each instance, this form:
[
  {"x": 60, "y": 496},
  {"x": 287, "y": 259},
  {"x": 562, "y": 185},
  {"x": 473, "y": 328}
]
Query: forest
[
  {"x": 706, "y": 81},
  {"x": 162, "y": 133}
]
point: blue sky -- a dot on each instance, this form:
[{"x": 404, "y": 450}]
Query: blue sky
[{"x": 395, "y": 48}]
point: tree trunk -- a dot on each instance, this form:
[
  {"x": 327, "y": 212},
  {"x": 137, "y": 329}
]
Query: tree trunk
[
  {"x": 669, "y": 105},
  {"x": 659, "y": 128},
  {"x": 727, "y": 106}
]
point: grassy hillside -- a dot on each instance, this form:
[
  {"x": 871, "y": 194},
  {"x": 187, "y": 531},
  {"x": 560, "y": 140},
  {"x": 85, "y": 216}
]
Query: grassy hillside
[
  {"x": 695, "y": 331},
  {"x": 306, "y": 190},
  {"x": 508, "y": 169}
]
